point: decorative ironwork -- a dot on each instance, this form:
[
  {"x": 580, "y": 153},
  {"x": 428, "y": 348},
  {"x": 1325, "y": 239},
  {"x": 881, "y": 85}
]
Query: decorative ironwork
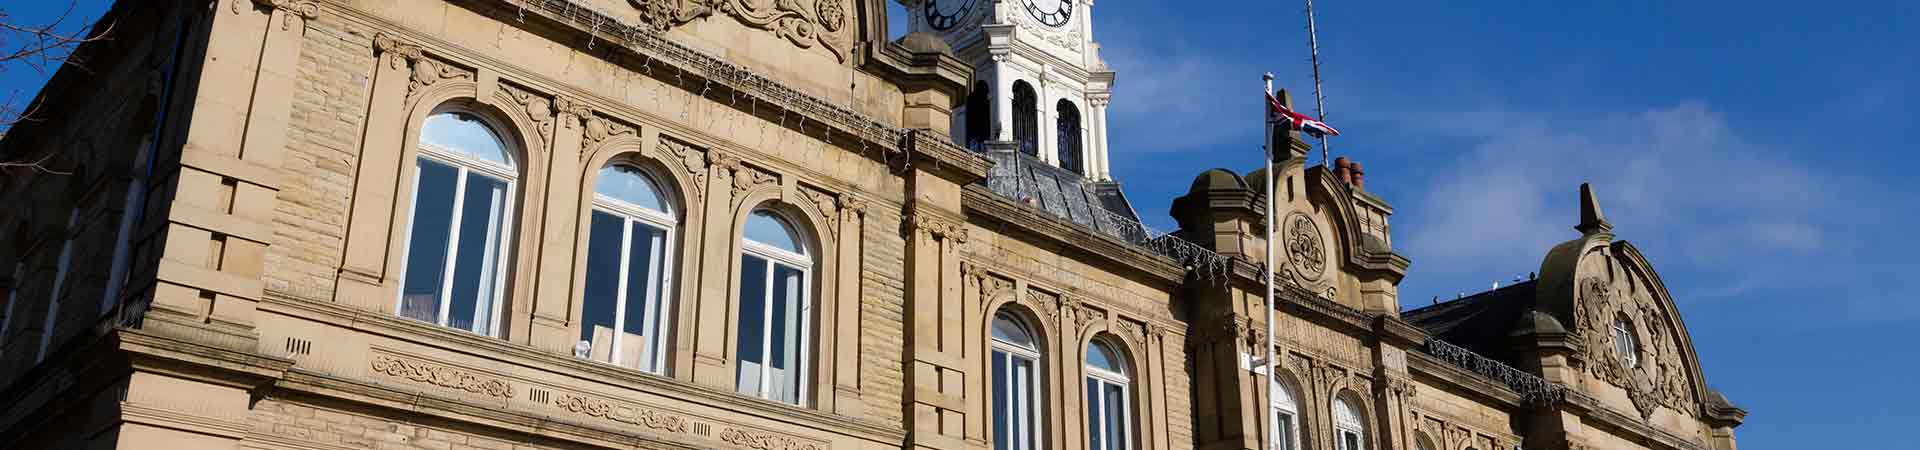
[{"x": 1534, "y": 390}]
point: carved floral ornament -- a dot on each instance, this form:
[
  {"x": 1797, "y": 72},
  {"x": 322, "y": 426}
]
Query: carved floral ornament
[
  {"x": 761, "y": 441},
  {"x": 692, "y": 158},
  {"x": 1662, "y": 377},
  {"x": 440, "y": 375},
  {"x": 620, "y": 413},
  {"x": 1301, "y": 242},
  {"x": 805, "y": 23}
]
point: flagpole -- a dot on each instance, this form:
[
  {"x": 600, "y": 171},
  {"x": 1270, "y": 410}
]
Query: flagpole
[
  {"x": 1319, "y": 101},
  {"x": 1266, "y": 435}
]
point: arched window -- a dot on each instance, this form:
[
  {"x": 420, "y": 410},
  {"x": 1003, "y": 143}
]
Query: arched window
[
  {"x": 463, "y": 195},
  {"x": 1350, "y": 431},
  {"x": 1286, "y": 418},
  {"x": 979, "y": 115},
  {"x": 1026, "y": 118},
  {"x": 1016, "y": 385},
  {"x": 1069, "y": 145},
  {"x": 775, "y": 284},
  {"x": 1108, "y": 418},
  {"x": 625, "y": 315},
  {"x": 1625, "y": 342}
]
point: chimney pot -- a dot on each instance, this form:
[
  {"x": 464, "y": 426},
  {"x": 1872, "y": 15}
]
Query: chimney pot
[
  {"x": 1359, "y": 176},
  {"x": 1343, "y": 170}
]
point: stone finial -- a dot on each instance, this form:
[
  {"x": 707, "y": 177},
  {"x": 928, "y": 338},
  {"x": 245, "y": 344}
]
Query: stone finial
[{"x": 1591, "y": 220}]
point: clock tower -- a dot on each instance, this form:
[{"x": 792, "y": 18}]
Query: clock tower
[{"x": 1039, "y": 81}]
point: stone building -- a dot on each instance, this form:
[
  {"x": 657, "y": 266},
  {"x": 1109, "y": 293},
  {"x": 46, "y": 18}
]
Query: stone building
[{"x": 735, "y": 225}]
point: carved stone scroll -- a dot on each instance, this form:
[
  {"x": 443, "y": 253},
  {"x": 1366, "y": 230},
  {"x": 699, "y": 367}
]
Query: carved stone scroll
[{"x": 441, "y": 375}]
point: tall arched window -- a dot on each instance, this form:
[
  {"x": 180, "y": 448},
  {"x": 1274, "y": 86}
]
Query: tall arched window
[
  {"x": 1016, "y": 385},
  {"x": 1350, "y": 431},
  {"x": 1286, "y": 418},
  {"x": 1625, "y": 342},
  {"x": 463, "y": 195},
  {"x": 1026, "y": 118},
  {"x": 61, "y": 268},
  {"x": 1069, "y": 133},
  {"x": 979, "y": 115},
  {"x": 775, "y": 284},
  {"x": 625, "y": 314},
  {"x": 1108, "y": 418}
]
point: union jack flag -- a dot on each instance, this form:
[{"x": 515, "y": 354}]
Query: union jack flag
[{"x": 1278, "y": 113}]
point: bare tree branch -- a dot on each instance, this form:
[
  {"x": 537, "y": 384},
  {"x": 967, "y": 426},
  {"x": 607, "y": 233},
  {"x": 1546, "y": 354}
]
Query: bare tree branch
[{"x": 43, "y": 48}]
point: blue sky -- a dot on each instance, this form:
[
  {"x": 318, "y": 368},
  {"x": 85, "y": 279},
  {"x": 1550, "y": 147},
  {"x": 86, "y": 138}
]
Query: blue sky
[{"x": 1756, "y": 151}]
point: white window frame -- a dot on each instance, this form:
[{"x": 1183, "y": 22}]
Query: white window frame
[
  {"x": 1096, "y": 401},
  {"x": 498, "y": 254},
  {"x": 59, "y": 285},
  {"x": 801, "y": 321},
  {"x": 1283, "y": 405},
  {"x": 658, "y": 298},
  {"x": 1626, "y": 342},
  {"x": 1022, "y": 408},
  {"x": 1347, "y": 421}
]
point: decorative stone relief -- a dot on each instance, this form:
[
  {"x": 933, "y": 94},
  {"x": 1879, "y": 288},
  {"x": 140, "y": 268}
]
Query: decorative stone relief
[
  {"x": 761, "y": 441},
  {"x": 1662, "y": 377},
  {"x": 928, "y": 225},
  {"x": 620, "y": 413},
  {"x": 537, "y": 108},
  {"x": 693, "y": 159},
  {"x": 745, "y": 178},
  {"x": 298, "y": 11},
  {"x": 428, "y": 71},
  {"x": 827, "y": 203},
  {"x": 440, "y": 375},
  {"x": 573, "y": 111},
  {"x": 1043, "y": 302},
  {"x": 1402, "y": 387},
  {"x": 1303, "y": 247},
  {"x": 804, "y": 25}
]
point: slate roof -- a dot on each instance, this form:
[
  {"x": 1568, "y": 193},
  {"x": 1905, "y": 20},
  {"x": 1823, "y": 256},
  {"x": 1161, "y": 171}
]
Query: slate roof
[{"x": 1479, "y": 322}]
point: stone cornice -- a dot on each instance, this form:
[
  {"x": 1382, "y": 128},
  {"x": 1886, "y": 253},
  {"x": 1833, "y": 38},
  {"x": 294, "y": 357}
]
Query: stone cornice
[
  {"x": 1591, "y": 411},
  {"x": 325, "y": 311},
  {"x": 636, "y": 44},
  {"x": 982, "y": 203}
]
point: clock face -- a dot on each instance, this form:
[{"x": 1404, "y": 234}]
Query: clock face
[
  {"x": 1053, "y": 13},
  {"x": 944, "y": 14}
]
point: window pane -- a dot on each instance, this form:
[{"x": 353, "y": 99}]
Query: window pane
[
  {"x": 600, "y": 302},
  {"x": 1094, "y": 436},
  {"x": 464, "y": 133},
  {"x": 753, "y": 297},
  {"x": 1022, "y": 402},
  {"x": 1351, "y": 440},
  {"x": 1002, "y": 440},
  {"x": 1283, "y": 431},
  {"x": 473, "y": 270},
  {"x": 427, "y": 241},
  {"x": 1100, "y": 357},
  {"x": 641, "y": 287},
  {"x": 1005, "y": 329},
  {"x": 1116, "y": 417},
  {"x": 628, "y": 185},
  {"x": 786, "y": 338},
  {"x": 766, "y": 228}
]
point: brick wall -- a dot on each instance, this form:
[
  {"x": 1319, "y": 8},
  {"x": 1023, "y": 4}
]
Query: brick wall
[{"x": 883, "y": 316}]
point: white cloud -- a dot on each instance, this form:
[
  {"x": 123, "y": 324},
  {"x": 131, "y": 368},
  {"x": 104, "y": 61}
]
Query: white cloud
[{"x": 1735, "y": 217}]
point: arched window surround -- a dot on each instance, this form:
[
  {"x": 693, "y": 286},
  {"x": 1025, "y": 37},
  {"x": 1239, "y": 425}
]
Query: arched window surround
[
  {"x": 1355, "y": 434},
  {"x": 675, "y": 186},
  {"x": 1286, "y": 403},
  {"x": 509, "y": 122},
  {"x": 1100, "y": 436},
  {"x": 818, "y": 361},
  {"x": 1032, "y": 406},
  {"x": 501, "y": 206}
]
